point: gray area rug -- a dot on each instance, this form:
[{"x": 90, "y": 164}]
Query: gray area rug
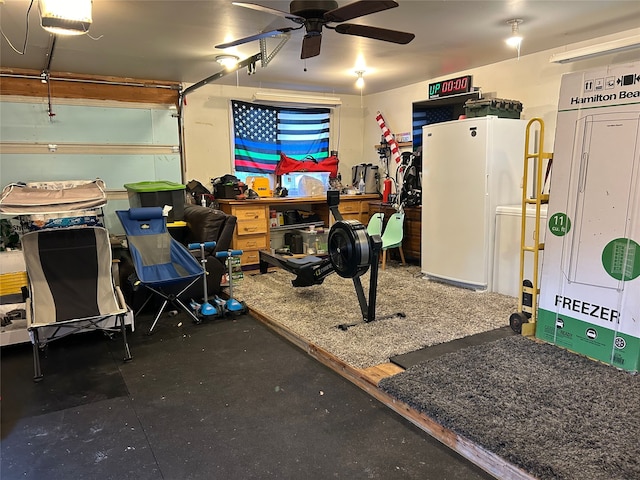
[
  {"x": 553, "y": 413},
  {"x": 435, "y": 312}
]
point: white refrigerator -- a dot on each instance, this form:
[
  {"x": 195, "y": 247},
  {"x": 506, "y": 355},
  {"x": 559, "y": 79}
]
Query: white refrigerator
[{"x": 469, "y": 167}]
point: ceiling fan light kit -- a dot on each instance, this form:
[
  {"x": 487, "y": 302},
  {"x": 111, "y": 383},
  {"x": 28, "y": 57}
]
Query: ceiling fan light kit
[
  {"x": 65, "y": 17},
  {"x": 313, "y": 15}
]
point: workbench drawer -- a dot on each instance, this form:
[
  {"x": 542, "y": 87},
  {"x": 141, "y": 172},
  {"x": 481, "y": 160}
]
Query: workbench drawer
[
  {"x": 352, "y": 216},
  {"x": 252, "y": 227},
  {"x": 250, "y": 213},
  {"x": 259, "y": 242},
  {"x": 251, "y": 257},
  {"x": 350, "y": 207}
]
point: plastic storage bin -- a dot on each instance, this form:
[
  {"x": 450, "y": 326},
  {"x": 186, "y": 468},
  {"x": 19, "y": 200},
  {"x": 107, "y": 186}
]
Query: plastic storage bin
[
  {"x": 493, "y": 106},
  {"x": 314, "y": 242},
  {"x": 158, "y": 194}
]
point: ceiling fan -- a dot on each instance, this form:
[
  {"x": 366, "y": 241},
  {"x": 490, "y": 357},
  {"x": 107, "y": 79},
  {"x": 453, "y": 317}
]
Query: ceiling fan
[{"x": 315, "y": 14}]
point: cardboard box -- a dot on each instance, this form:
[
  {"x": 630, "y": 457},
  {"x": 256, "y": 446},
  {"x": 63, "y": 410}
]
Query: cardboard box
[{"x": 590, "y": 284}]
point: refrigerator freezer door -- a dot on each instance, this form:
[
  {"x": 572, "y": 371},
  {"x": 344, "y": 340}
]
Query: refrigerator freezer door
[
  {"x": 600, "y": 197},
  {"x": 454, "y": 177}
]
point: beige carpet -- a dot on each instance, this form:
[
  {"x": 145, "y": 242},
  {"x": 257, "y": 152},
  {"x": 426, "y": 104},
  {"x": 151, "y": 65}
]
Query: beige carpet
[{"x": 435, "y": 312}]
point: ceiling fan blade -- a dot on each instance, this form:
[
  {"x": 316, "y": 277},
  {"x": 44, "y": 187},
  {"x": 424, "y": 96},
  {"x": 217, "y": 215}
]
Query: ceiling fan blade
[
  {"x": 310, "y": 46},
  {"x": 272, "y": 11},
  {"x": 252, "y": 38},
  {"x": 375, "y": 33},
  {"x": 358, "y": 9}
]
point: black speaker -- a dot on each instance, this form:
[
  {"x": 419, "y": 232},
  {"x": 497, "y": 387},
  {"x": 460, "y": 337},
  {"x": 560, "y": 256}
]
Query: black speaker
[{"x": 294, "y": 241}]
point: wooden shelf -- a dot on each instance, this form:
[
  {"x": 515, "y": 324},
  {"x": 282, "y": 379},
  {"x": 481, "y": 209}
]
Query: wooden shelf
[
  {"x": 296, "y": 226},
  {"x": 400, "y": 145}
]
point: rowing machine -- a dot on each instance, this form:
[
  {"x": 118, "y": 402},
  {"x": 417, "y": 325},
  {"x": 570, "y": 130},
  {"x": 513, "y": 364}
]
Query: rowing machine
[{"x": 351, "y": 253}]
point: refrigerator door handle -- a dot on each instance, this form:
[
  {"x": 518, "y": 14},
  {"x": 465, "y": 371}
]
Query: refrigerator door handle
[{"x": 583, "y": 171}]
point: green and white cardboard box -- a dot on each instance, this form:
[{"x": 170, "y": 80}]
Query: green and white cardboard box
[{"x": 590, "y": 285}]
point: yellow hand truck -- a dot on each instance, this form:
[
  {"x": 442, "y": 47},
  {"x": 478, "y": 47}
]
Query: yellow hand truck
[{"x": 524, "y": 320}]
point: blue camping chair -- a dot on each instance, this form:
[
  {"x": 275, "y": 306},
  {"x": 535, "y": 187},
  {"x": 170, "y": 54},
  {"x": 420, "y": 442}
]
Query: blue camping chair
[{"x": 163, "y": 265}]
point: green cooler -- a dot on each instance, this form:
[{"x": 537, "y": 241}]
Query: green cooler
[{"x": 158, "y": 194}]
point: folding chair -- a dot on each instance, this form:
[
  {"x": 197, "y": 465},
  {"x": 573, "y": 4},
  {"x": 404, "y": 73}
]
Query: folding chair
[
  {"x": 392, "y": 237},
  {"x": 71, "y": 287},
  {"x": 163, "y": 265},
  {"x": 374, "y": 227}
]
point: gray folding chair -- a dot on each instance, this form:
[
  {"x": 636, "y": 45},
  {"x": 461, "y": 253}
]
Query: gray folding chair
[{"x": 71, "y": 287}]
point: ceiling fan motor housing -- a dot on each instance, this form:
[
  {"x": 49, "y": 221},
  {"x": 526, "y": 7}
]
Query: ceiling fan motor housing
[
  {"x": 311, "y": 8},
  {"x": 349, "y": 248},
  {"x": 313, "y": 15}
]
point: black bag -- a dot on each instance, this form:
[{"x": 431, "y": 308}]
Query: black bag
[
  {"x": 195, "y": 187},
  {"x": 291, "y": 217},
  {"x": 228, "y": 186},
  {"x": 411, "y": 191},
  {"x": 197, "y": 191},
  {"x": 228, "y": 178}
]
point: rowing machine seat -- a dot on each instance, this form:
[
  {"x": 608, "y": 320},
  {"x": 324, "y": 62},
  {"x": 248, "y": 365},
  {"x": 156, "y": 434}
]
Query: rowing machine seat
[{"x": 301, "y": 262}]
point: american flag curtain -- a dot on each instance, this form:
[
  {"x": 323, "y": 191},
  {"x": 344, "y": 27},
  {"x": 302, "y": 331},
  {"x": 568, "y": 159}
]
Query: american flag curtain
[{"x": 262, "y": 132}]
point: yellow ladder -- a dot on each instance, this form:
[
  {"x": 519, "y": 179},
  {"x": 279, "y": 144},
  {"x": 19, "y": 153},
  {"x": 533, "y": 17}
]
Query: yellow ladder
[{"x": 524, "y": 320}]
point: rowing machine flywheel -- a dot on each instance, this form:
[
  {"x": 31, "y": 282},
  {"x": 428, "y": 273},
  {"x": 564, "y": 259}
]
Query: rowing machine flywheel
[{"x": 349, "y": 249}]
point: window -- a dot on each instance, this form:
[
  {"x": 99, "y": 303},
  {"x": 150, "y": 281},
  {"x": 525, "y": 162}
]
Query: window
[{"x": 262, "y": 132}]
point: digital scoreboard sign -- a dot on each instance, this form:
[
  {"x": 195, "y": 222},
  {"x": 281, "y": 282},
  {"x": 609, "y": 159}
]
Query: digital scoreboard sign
[{"x": 452, "y": 86}]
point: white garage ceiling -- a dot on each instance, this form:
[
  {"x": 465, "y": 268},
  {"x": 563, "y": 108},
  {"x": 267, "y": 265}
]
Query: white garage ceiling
[{"x": 174, "y": 40}]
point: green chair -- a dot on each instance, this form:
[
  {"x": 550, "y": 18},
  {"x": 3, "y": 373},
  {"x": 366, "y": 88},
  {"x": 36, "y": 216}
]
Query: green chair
[
  {"x": 374, "y": 227},
  {"x": 392, "y": 237}
]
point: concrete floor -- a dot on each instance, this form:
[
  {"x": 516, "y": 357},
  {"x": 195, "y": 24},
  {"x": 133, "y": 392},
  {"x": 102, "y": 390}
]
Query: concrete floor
[{"x": 226, "y": 399}]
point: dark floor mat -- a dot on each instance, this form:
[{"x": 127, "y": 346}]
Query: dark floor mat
[
  {"x": 78, "y": 370},
  {"x": 555, "y": 414},
  {"x": 413, "y": 358},
  {"x": 224, "y": 399}
]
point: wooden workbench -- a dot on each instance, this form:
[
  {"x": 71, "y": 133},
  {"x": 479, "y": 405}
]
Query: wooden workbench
[{"x": 253, "y": 233}]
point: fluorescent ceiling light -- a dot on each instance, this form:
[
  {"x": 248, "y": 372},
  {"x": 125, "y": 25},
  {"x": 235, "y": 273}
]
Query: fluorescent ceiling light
[
  {"x": 65, "y": 17},
  {"x": 281, "y": 98},
  {"x": 596, "y": 50}
]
